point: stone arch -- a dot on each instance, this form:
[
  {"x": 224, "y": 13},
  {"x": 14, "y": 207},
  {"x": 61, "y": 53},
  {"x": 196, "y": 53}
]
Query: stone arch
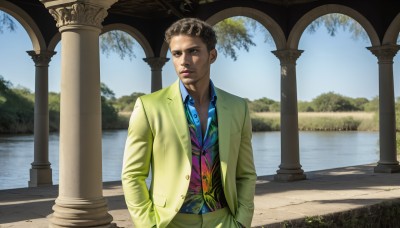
[
  {"x": 38, "y": 42},
  {"x": 392, "y": 33},
  {"x": 306, "y": 19},
  {"x": 270, "y": 24},
  {"x": 140, "y": 38},
  {"x": 54, "y": 41}
]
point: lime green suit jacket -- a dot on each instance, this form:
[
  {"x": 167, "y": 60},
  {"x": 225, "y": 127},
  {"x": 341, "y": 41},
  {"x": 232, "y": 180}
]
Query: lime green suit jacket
[{"x": 158, "y": 137}]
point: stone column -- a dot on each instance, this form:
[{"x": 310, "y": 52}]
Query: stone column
[
  {"x": 387, "y": 117},
  {"x": 156, "y": 64},
  {"x": 80, "y": 202},
  {"x": 290, "y": 168},
  {"x": 40, "y": 173}
]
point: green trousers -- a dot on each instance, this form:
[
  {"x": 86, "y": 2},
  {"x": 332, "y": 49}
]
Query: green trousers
[{"x": 221, "y": 218}]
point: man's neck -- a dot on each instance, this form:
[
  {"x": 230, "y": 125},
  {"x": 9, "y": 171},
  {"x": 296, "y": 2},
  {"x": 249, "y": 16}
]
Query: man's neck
[{"x": 200, "y": 93}]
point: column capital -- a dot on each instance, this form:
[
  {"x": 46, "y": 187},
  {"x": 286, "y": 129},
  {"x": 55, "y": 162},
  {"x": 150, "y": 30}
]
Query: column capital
[
  {"x": 287, "y": 56},
  {"x": 385, "y": 53},
  {"x": 41, "y": 58},
  {"x": 78, "y": 12},
  {"x": 156, "y": 63}
]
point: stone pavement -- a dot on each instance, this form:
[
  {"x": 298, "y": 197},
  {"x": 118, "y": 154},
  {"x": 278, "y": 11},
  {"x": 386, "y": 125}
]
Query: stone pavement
[{"x": 324, "y": 192}]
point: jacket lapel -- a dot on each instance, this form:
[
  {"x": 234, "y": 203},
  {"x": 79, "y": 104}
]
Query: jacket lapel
[
  {"x": 224, "y": 125},
  {"x": 177, "y": 116}
]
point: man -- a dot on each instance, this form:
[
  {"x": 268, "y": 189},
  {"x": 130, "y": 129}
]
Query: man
[{"x": 196, "y": 139}]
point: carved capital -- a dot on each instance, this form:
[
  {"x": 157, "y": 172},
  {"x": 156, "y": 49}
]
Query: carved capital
[
  {"x": 78, "y": 14},
  {"x": 41, "y": 58},
  {"x": 288, "y": 56},
  {"x": 156, "y": 63},
  {"x": 385, "y": 53}
]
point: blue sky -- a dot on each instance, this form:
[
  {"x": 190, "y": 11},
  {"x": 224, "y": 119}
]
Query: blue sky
[{"x": 339, "y": 64}]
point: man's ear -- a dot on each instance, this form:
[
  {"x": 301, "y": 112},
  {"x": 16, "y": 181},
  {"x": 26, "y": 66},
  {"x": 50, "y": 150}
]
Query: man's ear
[{"x": 213, "y": 55}]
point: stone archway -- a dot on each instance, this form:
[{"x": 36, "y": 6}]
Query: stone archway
[
  {"x": 392, "y": 32},
  {"x": 38, "y": 42},
  {"x": 40, "y": 173},
  {"x": 304, "y": 21}
]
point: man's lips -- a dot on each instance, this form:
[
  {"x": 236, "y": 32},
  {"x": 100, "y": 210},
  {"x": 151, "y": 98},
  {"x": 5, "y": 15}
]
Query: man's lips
[{"x": 185, "y": 72}]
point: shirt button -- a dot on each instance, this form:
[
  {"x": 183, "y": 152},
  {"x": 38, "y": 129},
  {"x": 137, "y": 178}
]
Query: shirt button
[
  {"x": 183, "y": 196},
  {"x": 187, "y": 177},
  {"x": 177, "y": 210},
  {"x": 204, "y": 177}
]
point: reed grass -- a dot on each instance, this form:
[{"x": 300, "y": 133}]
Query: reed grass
[{"x": 319, "y": 121}]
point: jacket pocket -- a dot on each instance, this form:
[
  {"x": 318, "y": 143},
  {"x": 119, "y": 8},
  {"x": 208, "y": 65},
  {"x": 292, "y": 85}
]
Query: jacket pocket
[{"x": 159, "y": 200}]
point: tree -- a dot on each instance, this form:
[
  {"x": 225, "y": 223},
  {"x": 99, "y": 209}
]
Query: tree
[
  {"x": 119, "y": 42},
  {"x": 126, "y": 103},
  {"x": 106, "y": 91},
  {"x": 264, "y": 105},
  {"x": 108, "y": 113},
  {"x": 233, "y": 33},
  {"x": 372, "y": 105},
  {"x": 7, "y": 22},
  {"x": 359, "y": 103},
  {"x": 335, "y": 21},
  {"x": 16, "y": 109},
  {"x": 305, "y": 106},
  {"x": 332, "y": 102}
]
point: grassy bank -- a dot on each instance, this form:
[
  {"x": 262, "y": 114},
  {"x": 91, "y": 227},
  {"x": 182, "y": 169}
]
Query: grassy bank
[
  {"x": 319, "y": 121},
  {"x": 308, "y": 121}
]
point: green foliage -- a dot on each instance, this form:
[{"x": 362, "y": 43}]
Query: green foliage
[
  {"x": 359, "y": 103},
  {"x": 119, "y": 42},
  {"x": 328, "y": 124},
  {"x": 16, "y": 109},
  {"x": 109, "y": 115},
  {"x": 332, "y": 102},
  {"x": 126, "y": 103},
  {"x": 372, "y": 105},
  {"x": 265, "y": 124},
  {"x": 317, "y": 221},
  {"x": 54, "y": 111},
  {"x": 233, "y": 33},
  {"x": 305, "y": 106},
  {"x": 264, "y": 105},
  {"x": 106, "y": 91},
  {"x": 335, "y": 21},
  {"x": 384, "y": 214},
  {"x": 7, "y": 22}
]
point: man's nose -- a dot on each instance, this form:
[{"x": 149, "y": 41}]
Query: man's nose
[{"x": 185, "y": 61}]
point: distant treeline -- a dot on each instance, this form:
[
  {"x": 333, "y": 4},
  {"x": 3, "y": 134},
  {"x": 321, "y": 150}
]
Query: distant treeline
[
  {"x": 326, "y": 102},
  {"x": 17, "y": 107}
]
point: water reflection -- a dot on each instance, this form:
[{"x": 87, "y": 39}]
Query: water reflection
[{"x": 318, "y": 150}]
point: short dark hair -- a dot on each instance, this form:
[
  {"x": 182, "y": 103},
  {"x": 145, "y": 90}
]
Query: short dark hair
[{"x": 193, "y": 27}]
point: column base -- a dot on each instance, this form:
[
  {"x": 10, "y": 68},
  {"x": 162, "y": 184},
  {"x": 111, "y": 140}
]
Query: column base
[
  {"x": 387, "y": 168},
  {"x": 40, "y": 177},
  {"x": 80, "y": 213},
  {"x": 284, "y": 175}
]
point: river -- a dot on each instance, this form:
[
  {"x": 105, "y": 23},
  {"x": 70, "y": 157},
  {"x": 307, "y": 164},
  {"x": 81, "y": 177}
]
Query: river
[{"x": 318, "y": 150}]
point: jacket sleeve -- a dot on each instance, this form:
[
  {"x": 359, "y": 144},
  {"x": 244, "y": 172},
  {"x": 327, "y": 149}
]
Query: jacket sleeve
[
  {"x": 245, "y": 175},
  {"x": 136, "y": 166}
]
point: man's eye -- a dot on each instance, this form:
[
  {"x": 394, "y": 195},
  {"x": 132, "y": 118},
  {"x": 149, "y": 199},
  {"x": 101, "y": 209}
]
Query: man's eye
[
  {"x": 176, "y": 54},
  {"x": 194, "y": 51}
]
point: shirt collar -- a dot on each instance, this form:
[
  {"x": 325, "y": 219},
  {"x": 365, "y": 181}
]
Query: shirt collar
[{"x": 186, "y": 96}]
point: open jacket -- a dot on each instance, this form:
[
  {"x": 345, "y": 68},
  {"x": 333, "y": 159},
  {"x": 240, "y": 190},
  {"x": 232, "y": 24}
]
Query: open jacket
[{"x": 158, "y": 137}]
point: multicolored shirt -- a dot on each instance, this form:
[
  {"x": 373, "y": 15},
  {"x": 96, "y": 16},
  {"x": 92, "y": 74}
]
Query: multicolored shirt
[{"x": 205, "y": 193}]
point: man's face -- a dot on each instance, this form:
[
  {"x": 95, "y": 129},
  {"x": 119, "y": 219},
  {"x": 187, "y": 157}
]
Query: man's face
[{"x": 191, "y": 59}]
